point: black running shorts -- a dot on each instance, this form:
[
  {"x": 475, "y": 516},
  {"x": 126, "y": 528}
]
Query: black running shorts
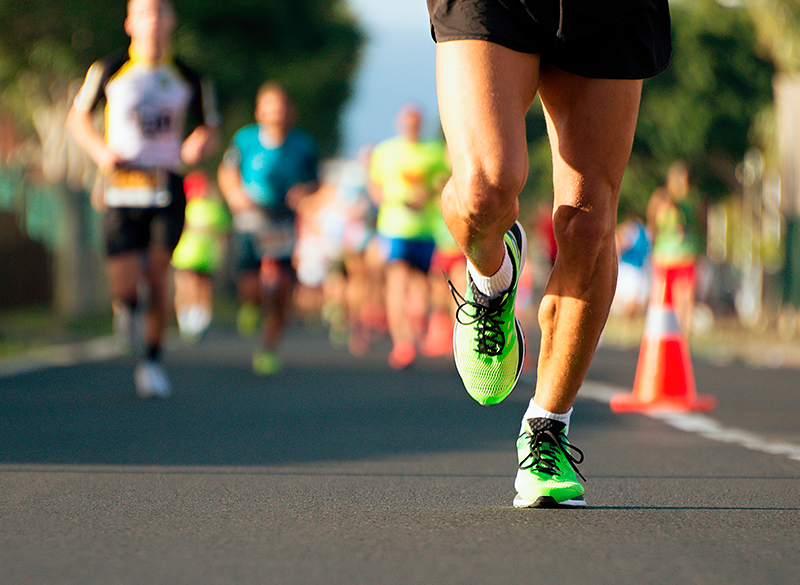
[
  {"x": 604, "y": 39},
  {"x": 128, "y": 229}
]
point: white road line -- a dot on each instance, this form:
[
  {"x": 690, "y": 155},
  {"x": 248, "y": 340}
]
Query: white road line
[
  {"x": 61, "y": 355},
  {"x": 705, "y": 426}
]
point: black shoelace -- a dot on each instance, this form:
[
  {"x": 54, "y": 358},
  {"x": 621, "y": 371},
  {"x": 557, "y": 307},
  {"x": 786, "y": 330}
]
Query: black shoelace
[
  {"x": 545, "y": 445},
  {"x": 486, "y": 316}
]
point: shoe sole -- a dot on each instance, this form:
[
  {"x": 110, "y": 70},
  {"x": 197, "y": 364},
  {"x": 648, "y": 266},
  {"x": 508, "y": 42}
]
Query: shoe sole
[
  {"x": 549, "y": 502},
  {"x": 520, "y": 236},
  {"x": 522, "y": 239}
]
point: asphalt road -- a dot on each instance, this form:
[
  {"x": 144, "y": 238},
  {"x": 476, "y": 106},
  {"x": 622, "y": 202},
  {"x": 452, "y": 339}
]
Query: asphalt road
[{"x": 339, "y": 470}]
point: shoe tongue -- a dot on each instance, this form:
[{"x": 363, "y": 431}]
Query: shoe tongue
[
  {"x": 477, "y": 296},
  {"x": 538, "y": 425},
  {"x": 481, "y": 299}
]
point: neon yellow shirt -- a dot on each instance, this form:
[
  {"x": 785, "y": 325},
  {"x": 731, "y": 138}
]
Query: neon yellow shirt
[{"x": 407, "y": 172}]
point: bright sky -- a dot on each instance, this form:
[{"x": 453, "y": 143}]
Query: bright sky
[
  {"x": 390, "y": 14},
  {"x": 398, "y": 66}
]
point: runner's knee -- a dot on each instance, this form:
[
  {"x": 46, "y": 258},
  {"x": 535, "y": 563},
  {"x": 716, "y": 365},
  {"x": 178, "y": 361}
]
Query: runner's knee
[
  {"x": 486, "y": 195},
  {"x": 584, "y": 236}
]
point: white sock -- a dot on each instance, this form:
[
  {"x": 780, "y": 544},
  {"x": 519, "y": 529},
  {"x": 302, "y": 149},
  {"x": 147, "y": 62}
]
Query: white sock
[
  {"x": 536, "y": 411},
  {"x": 499, "y": 282}
]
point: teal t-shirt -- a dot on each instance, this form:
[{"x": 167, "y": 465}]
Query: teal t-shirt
[{"x": 269, "y": 171}]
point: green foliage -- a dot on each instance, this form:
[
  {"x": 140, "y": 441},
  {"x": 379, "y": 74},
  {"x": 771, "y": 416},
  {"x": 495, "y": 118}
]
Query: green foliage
[
  {"x": 311, "y": 46},
  {"x": 47, "y": 44},
  {"x": 778, "y": 25},
  {"x": 701, "y": 109}
]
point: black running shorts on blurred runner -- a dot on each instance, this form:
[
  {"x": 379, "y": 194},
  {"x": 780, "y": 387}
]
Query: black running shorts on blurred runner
[
  {"x": 604, "y": 39},
  {"x": 129, "y": 229}
]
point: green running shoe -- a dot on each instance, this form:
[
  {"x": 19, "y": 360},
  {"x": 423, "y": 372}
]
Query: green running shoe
[
  {"x": 266, "y": 363},
  {"x": 546, "y": 474},
  {"x": 488, "y": 342}
]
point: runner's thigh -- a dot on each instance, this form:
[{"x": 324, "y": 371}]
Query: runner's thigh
[
  {"x": 591, "y": 124},
  {"x": 484, "y": 91}
]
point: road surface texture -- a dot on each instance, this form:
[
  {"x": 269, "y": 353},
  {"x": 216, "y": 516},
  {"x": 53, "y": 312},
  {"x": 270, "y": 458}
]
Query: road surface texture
[{"x": 341, "y": 471}]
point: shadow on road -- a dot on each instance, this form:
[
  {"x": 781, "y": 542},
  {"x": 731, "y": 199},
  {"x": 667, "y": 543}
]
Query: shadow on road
[{"x": 324, "y": 406}]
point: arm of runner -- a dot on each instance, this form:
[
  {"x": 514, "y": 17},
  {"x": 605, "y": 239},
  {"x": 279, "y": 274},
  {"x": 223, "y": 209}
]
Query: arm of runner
[
  {"x": 229, "y": 180},
  {"x": 82, "y": 128},
  {"x": 200, "y": 144},
  {"x": 374, "y": 176},
  {"x": 299, "y": 192}
]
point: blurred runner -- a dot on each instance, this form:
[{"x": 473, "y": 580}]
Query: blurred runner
[
  {"x": 198, "y": 256},
  {"x": 148, "y": 95},
  {"x": 364, "y": 295},
  {"x": 633, "y": 280},
  {"x": 268, "y": 168},
  {"x": 675, "y": 221},
  {"x": 448, "y": 264},
  {"x": 317, "y": 258},
  {"x": 406, "y": 176},
  {"x": 336, "y": 225}
]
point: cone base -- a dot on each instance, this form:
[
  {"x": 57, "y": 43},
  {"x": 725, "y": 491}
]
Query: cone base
[{"x": 630, "y": 403}]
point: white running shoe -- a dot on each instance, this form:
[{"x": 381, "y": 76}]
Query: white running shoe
[
  {"x": 151, "y": 380},
  {"x": 193, "y": 322}
]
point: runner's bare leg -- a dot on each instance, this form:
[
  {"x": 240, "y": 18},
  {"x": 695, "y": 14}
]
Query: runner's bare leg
[
  {"x": 591, "y": 123},
  {"x": 484, "y": 91}
]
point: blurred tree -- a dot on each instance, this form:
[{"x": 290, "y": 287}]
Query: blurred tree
[
  {"x": 777, "y": 25},
  {"x": 700, "y": 109},
  {"x": 311, "y": 46}
]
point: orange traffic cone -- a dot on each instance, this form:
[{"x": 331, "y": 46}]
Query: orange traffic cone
[{"x": 664, "y": 377}]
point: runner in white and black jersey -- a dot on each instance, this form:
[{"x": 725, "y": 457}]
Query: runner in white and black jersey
[{"x": 149, "y": 97}]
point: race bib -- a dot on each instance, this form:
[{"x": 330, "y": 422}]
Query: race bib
[
  {"x": 277, "y": 241},
  {"x": 134, "y": 187},
  {"x": 273, "y": 239}
]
